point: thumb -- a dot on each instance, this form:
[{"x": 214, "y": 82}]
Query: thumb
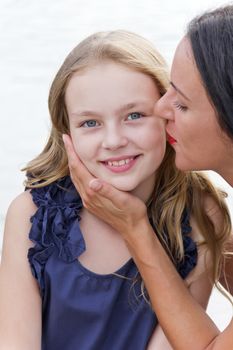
[
  {"x": 96, "y": 185},
  {"x": 78, "y": 171},
  {"x": 71, "y": 154}
]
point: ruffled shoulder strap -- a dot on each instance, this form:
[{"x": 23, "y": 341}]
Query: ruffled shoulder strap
[
  {"x": 190, "y": 248},
  {"x": 55, "y": 225}
]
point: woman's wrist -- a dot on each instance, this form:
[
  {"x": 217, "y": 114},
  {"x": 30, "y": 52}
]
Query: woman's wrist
[{"x": 142, "y": 242}]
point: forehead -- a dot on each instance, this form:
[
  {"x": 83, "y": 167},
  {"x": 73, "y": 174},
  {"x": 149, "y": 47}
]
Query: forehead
[
  {"x": 109, "y": 87},
  {"x": 108, "y": 76},
  {"x": 184, "y": 72},
  {"x": 105, "y": 69},
  {"x": 183, "y": 61}
]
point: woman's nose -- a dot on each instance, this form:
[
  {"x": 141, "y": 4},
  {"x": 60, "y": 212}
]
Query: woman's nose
[
  {"x": 163, "y": 108},
  {"x": 114, "y": 138}
]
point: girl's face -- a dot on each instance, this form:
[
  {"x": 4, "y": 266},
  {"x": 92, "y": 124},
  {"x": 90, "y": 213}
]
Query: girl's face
[
  {"x": 192, "y": 126},
  {"x": 113, "y": 128}
]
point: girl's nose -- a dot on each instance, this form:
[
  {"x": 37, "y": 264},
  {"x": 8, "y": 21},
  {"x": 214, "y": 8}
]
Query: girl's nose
[
  {"x": 114, "y": 138},
  {"x": 163, "y": 107}
]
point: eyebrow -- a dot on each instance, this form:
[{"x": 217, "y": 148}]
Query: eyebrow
[
  {"x": 126, "y": 107},
  {"x": 179, "y": 91}
]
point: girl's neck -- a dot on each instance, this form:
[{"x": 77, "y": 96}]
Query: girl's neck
[
  {"x": 145, "y": 190},
  {"x": 106, "y": 250}
]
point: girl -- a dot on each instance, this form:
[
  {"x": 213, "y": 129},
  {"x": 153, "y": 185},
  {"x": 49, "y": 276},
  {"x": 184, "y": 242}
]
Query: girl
[
  {"x": 85, "y": 291},
  {"x": 198, "y": 108}
]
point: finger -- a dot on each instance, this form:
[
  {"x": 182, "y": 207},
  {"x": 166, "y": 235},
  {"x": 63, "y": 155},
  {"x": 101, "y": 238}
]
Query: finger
[
  {"x": 71, "y": 154},
  {"x": 77, "y": 169}
]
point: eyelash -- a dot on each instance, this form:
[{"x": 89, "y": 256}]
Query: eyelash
[{"x": 179, "y": 106}]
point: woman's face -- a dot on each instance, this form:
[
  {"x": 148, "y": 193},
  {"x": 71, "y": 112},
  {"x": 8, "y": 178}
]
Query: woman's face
[
  {"x": 113, "y": 128},
  {"x": 192, "y": 127}
]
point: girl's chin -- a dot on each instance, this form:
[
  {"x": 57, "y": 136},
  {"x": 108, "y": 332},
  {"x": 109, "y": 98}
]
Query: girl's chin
[
  {"x": 121, "y": 187},
  {"x": 121, "y": 184}
]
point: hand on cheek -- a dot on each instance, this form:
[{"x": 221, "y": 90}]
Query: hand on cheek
[
  {"x": 119, "y": 209},
  {"x": 78, "y": 172}
]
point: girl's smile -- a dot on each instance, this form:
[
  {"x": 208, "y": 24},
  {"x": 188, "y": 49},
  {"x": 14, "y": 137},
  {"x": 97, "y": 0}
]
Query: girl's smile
[{"x": 120, "y": 164}]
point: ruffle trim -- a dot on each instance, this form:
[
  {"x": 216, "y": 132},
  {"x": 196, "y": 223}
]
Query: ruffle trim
[{"x": 55, "y": 226}]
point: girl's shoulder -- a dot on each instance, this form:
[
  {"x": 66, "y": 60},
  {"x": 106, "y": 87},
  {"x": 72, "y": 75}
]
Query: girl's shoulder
[
  {"x": 35, "y": 211},
  {"x": 20, "y": 210},
  {"x": 17, "y": 226},
  {"x": 15, "y": 275},
  {"x": 60, "y": 193}
]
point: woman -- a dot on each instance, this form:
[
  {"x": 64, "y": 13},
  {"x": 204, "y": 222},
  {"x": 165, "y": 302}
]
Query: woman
[{"x": 199, "y": 108}]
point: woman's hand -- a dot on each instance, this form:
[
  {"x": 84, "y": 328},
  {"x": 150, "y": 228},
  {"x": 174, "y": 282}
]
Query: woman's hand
[{"x": 119, "y": 209}]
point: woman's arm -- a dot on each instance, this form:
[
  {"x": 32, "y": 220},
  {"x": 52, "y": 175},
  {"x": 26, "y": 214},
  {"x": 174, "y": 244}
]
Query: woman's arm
[
  {"x": 182, "y": 318},
  {"x": 200, "y": 287},
  {"x": 20, "y": 302}
]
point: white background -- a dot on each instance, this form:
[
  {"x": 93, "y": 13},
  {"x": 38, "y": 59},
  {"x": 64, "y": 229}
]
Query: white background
[{"x": 35, "y": 37}]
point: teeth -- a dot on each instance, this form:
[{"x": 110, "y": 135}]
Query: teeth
[{"x": 120, "y": 162}]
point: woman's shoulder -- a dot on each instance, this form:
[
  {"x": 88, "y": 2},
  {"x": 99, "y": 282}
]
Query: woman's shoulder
[
  {"x": 215, "y": 212},
  {"x": 219, "y": 232}
]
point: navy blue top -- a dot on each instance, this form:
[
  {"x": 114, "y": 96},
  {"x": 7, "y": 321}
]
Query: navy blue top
[{"x": 83, "y": 310}]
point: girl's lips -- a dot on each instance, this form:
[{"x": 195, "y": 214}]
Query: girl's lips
[
  {"x": 171, "y": 139},
  {"x": 121, "y": 165}
]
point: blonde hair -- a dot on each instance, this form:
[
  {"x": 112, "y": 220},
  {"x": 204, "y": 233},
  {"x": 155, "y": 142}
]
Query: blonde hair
[{"x": 174, "y": 190}]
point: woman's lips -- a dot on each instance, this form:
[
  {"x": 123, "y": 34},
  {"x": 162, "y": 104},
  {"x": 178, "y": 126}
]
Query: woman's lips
[{"x": 171, "y": 139}]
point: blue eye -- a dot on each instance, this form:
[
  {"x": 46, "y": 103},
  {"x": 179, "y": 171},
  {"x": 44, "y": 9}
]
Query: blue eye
[
  {"x": 90, "y": 123},
  {"x": 134, "y": 116}
]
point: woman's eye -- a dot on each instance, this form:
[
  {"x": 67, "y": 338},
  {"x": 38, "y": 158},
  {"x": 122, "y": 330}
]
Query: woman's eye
[
  {"x": 180, "y": 106},
  {"x": 90, "y": 123},
  {"x": 134, "y": 116}
]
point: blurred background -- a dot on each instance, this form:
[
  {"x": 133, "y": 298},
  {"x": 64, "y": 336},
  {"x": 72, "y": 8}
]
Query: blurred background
[{"x": 35, "y": 37}]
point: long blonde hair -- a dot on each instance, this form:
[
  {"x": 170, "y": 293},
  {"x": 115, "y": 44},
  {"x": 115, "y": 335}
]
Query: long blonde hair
[{"x": 174, "y": 190}]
